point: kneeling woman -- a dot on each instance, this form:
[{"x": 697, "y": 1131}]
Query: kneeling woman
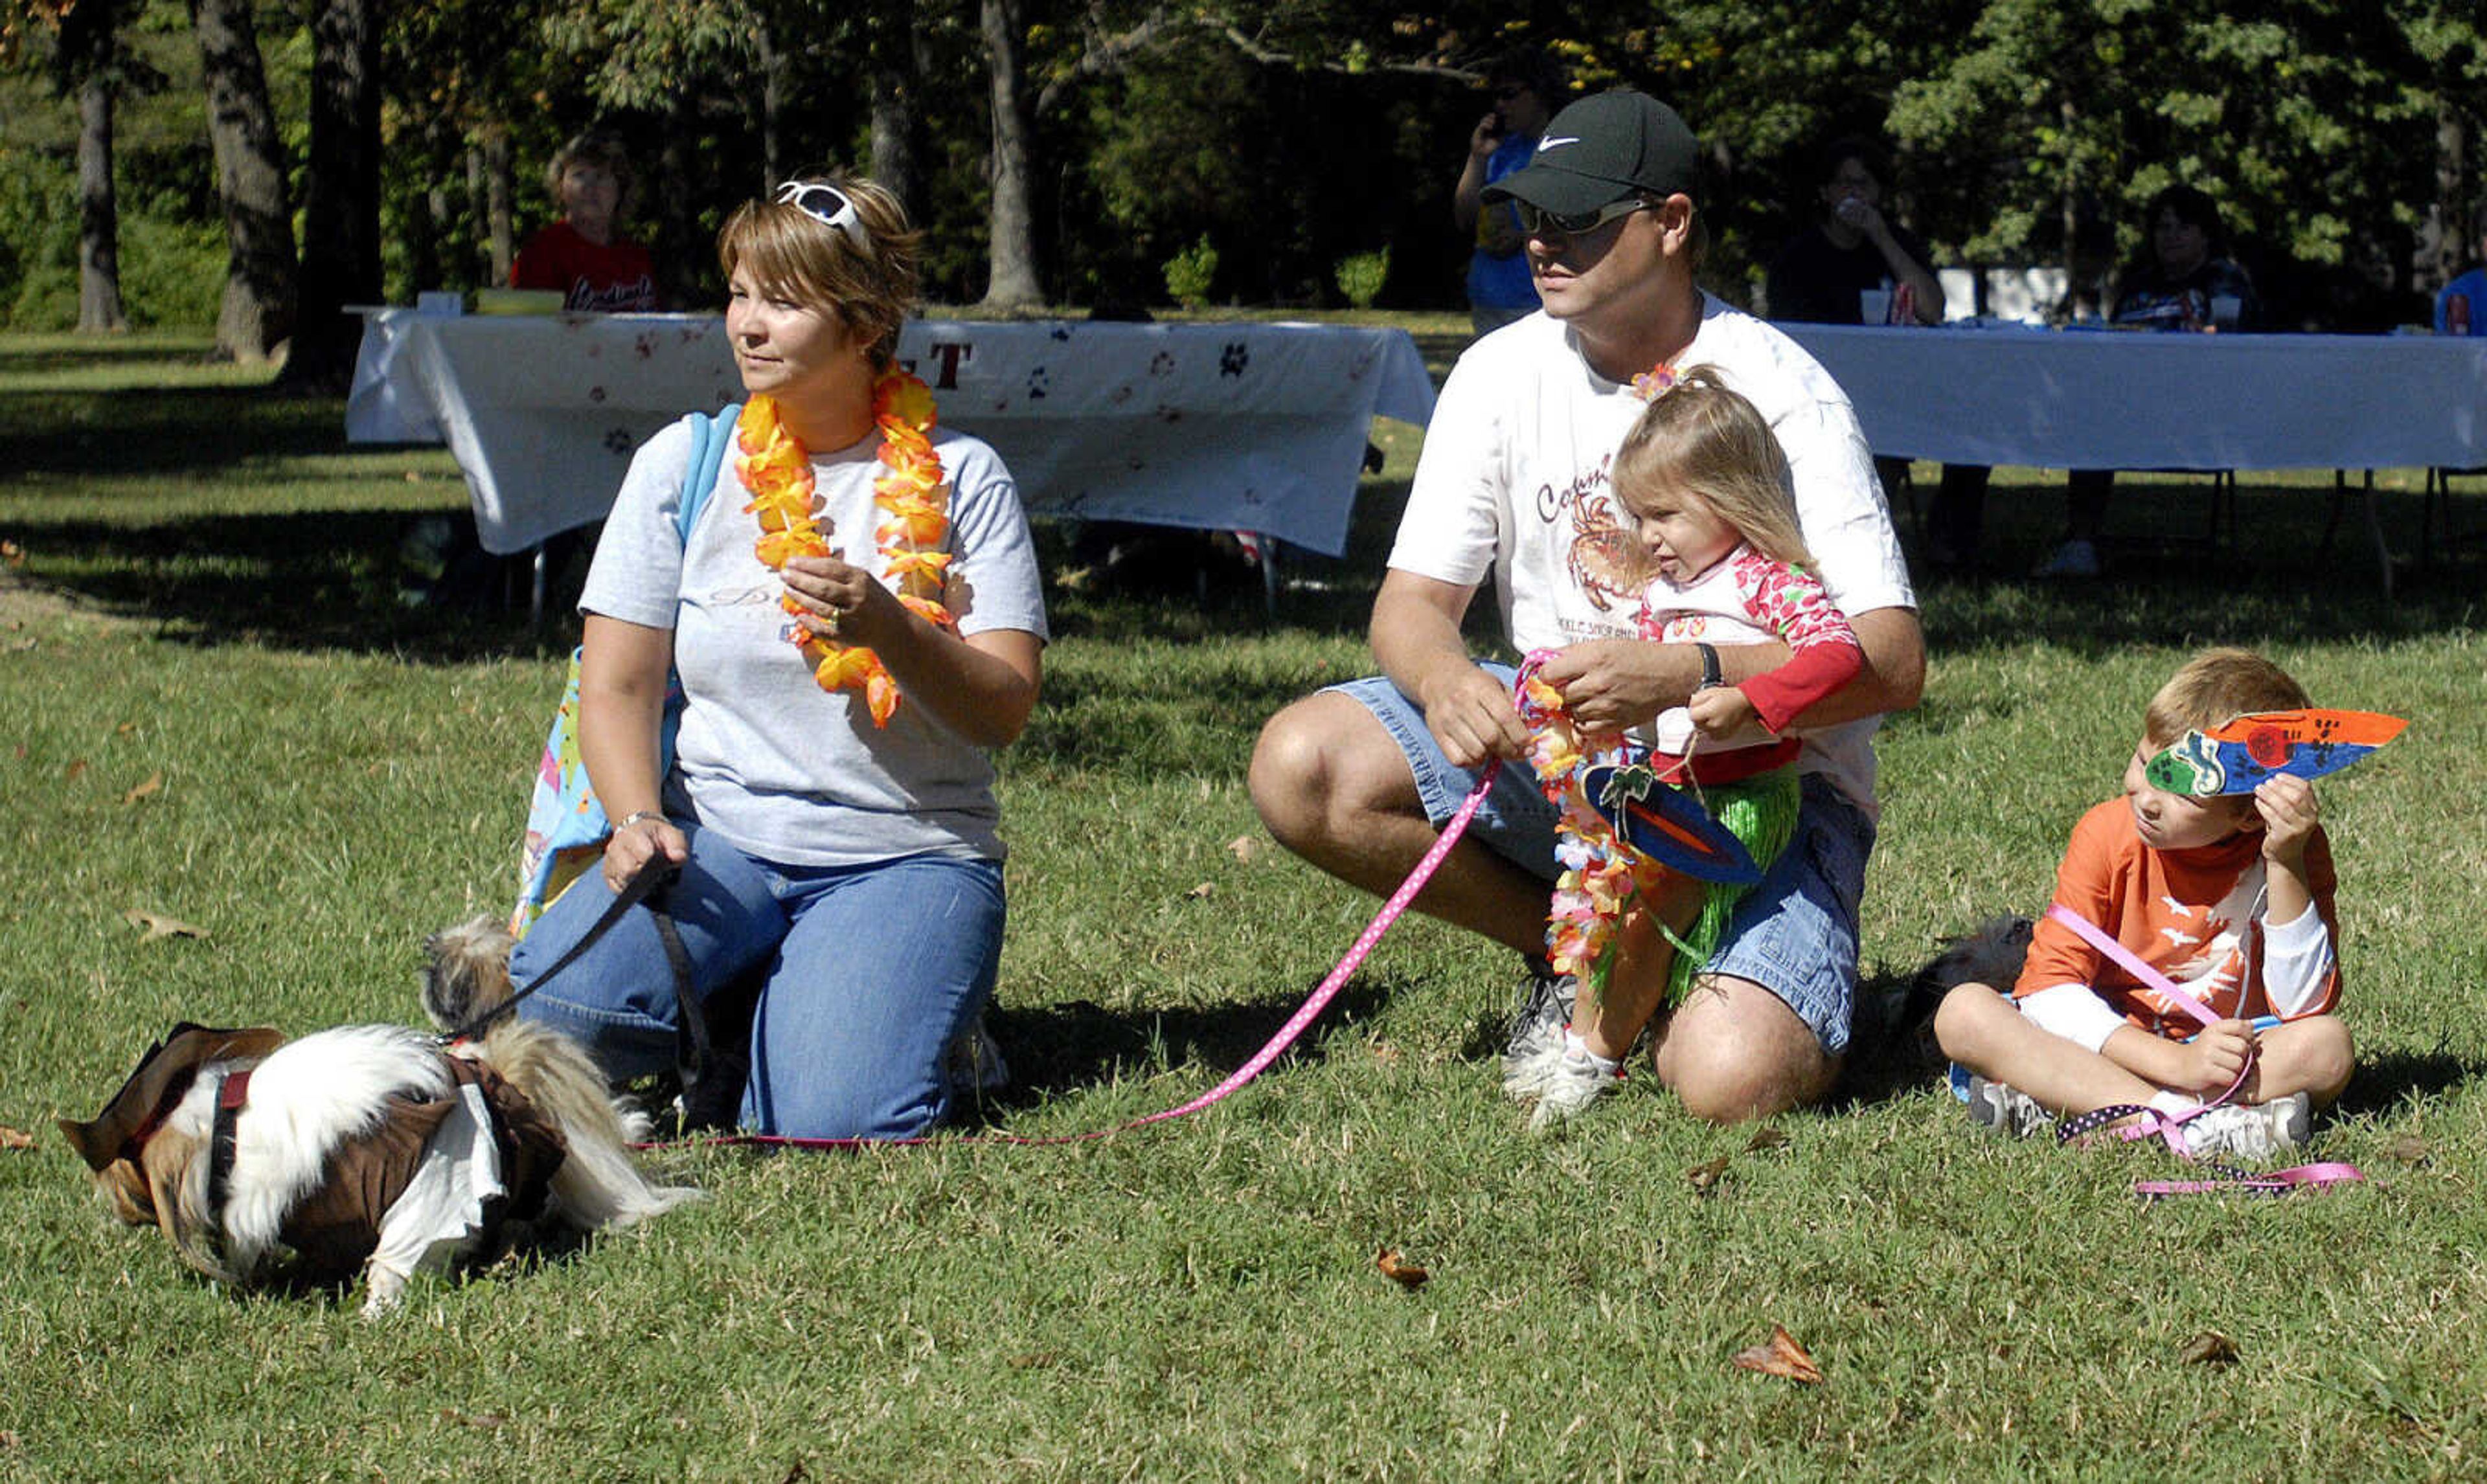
[{"x": 855, "y": 618}]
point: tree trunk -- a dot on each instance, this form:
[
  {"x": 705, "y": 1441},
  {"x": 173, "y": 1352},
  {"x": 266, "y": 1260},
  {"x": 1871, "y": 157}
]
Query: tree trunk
[
  {"x": 772, "y": 105},
  {"x": 258, "y": 310},
  {"x": 2452, "y": 234},
  {"x": 100, "y": 310},
  {"x": 501, "y": 203},
  {"x": 341, "y": 206},
  {"x": 1013, "y": 249},
  {"x": 897, "y": 159}
]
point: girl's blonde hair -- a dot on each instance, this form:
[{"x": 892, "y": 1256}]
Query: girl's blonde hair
[
  {"x": 864, "y": 273},
  {"x": 1708, "y": 441},
  {"x": 2215, "y": 687}
]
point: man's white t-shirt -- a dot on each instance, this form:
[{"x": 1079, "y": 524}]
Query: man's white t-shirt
[{"x": 1513, "y": 483}]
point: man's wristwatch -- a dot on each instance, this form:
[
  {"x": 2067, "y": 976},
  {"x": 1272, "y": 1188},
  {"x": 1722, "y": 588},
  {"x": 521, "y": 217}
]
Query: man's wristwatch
[{"x": 1711, "y": 677}]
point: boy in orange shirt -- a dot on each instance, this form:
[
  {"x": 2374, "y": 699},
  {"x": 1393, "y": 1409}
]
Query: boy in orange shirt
[{"x": 2229, "y": 897}]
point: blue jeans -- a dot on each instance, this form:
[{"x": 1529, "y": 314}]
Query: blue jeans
[
  {"x": 1794, "y": 934},
  {"x": 872, "y": 971}
]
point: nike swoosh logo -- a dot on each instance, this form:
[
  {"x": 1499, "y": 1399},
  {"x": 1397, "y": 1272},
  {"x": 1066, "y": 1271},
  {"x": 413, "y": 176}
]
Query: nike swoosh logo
[{"x": 1545, "y": 145}]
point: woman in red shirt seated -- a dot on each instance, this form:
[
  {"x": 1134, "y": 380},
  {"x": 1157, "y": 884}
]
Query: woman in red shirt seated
[{"x": 580, "y": 255}]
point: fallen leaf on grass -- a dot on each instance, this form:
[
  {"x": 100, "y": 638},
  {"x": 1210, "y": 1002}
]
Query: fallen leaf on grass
[
  {"x": 15, "y": 1138},
  {"x": 2209, "y": 1348},
  {"x": 1706, "y": 1173},
  {"x": 154, "y": 782},
  {"x": 22, "y": 646},
  {"x": 158, "y": 925},
  {"x": 1765, "y": 1137},
  {"x": 1243, "y": 847},
  {"x": 10, "y": 1440},
  {"x": 125, "y": 728},
  {"x": 13, "y": 554},
  {"x": 1199, "y": 892},
  {"x": 483, "y": 1419},
  {"x": 1781, "y": 1357},
  {"x": 74, "y": 771},
  {"x": 2407, "y": 1148},
  {"x": 1399, "y": 1270}
]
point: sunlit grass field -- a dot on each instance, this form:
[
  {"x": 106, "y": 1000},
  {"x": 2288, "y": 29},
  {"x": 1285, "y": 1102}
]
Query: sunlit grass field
[{"x": 214, "y": 707}]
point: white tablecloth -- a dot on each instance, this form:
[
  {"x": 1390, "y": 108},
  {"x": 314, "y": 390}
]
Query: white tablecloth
[
  {"x": 2111, "y": 399},
  {"x": 1238, "y": 426}
]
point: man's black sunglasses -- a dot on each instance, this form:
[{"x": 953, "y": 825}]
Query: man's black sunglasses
[{"x": 1538, "y": 222}]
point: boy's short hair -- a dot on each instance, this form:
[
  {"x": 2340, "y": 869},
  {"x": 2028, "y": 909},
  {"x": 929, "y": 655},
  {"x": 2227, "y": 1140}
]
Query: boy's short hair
[{"x": 2215, "y": 686}]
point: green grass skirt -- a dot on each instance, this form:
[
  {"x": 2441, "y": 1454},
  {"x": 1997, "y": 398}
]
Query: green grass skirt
[{"x": 1761, "y": 813}]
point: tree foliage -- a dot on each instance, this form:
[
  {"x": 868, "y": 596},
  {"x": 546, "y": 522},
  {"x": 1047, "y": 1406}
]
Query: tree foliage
[{"x": 2341, "y": 137}]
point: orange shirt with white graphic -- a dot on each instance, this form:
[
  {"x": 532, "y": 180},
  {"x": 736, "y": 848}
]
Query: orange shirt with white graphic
[{"x": 2196, "y": 916}]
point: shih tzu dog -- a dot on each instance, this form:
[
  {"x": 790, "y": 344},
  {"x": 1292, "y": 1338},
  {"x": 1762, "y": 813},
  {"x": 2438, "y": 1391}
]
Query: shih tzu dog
[{"x": 370, "y": 1149}]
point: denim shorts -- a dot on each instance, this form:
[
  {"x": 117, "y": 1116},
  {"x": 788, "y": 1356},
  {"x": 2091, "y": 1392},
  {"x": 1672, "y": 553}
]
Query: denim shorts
[{"x": 1794, "y": 934}]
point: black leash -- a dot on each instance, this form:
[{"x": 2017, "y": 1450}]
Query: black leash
[{"x": 651, "y": 878}]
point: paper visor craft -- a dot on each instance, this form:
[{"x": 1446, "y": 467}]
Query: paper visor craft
[
  {"x": 1669, "y": 826},
  {"x": 2238, "y": 754}
]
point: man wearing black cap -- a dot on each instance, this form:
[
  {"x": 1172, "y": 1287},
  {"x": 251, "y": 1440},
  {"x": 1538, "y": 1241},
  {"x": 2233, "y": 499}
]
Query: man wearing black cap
[{"x": 1512, "y": 483}]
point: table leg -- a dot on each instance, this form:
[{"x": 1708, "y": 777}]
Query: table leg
[
  {"x": 2375, "y": 533},
  {"x": 536, "y": 585}
]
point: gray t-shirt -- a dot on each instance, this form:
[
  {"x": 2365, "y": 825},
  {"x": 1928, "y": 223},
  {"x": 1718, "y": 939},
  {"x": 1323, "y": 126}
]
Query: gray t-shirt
[{"x": 787, "y": 772}]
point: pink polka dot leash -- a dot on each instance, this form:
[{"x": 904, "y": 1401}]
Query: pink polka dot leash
[{"x": 1277, "y": 1047}]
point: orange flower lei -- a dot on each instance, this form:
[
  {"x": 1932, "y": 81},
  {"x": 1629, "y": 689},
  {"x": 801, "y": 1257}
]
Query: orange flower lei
[{"x": 912, "y": 494}]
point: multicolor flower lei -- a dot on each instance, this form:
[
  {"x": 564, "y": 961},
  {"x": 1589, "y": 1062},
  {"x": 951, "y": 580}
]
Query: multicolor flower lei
[
  {"x": 1601, "y": 873},
  {"x": 911, "y": 493}
]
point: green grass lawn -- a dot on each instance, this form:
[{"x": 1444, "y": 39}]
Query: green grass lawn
[{"x": 213, "y": 706}]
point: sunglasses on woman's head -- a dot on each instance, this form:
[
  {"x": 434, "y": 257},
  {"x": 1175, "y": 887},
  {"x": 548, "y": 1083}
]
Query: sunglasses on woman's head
[
  {"x": 823, "y": 204},
  {"x": 1538, "y": 222}
]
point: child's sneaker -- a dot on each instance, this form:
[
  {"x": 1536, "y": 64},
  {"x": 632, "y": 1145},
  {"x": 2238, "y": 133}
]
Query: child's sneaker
[
  {"x": 2007, "y": 1109},
  {"x": 1575, "y": 1083},
  {"x": 2254, "y": 1131},
  {"x": 1525, "y": 1075},
  {"x": 1545, "y": 1008}
]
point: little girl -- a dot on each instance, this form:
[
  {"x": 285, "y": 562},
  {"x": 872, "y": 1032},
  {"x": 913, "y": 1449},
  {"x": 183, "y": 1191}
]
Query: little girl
[{"x": 1707, "y": 492}]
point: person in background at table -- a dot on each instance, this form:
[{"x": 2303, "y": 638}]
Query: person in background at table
[
  {"x": 1852, "y": 255},
  {"x": 1524, "y": 85},
  {"x": 583, "y": 256},
  {"x": 1514, "y": 486},
  {"x": 829, "y": 802},
  {"x": 2461, "y": 309},
  {"x": 2183, "y": 280}
]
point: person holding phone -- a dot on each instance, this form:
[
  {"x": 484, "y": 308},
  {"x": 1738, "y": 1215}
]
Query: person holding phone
[{"x": 1525, "y": 85}]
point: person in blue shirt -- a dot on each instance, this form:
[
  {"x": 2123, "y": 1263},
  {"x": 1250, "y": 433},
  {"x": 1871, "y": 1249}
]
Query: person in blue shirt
[
  {"x": 2470, "y": 288},
  {"x": 1526, "y": 88}
]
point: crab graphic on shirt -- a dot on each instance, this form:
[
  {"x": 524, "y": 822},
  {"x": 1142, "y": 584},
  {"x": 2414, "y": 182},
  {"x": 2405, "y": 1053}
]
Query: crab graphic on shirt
[{"x": 1601, "y": 559}]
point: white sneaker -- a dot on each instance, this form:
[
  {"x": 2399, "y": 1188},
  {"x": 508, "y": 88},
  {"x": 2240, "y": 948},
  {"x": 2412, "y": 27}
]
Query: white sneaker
[
  {"x": 1543, "y": 1009},
  {"x": 2007, "y": 1109},
  {"x": 1577, "y": 1083},
  {"x": 2251, "y": 1133},
  {"x": 1526, "y": 1074},
  {"x": 2075, "y": 558}
]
